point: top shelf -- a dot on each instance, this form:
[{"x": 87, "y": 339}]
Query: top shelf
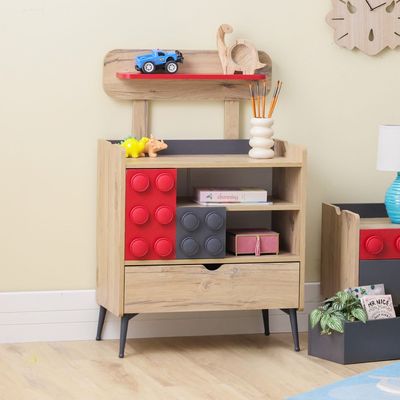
[
  {"x": 286, "y": 155},
  {"x": 193, "y": 77},
  {"x": 377, "y": 223},
  {"x": 211, "y": 161}
]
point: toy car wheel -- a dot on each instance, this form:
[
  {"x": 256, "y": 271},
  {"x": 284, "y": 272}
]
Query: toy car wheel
[
  {"x": 148, "y": 67},
  {"x": 171, "y": 67}
]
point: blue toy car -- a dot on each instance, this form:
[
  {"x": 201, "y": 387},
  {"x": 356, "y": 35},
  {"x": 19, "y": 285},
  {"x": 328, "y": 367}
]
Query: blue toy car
[{"x": 157, "y": 59}]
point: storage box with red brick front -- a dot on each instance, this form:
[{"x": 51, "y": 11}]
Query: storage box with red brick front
[{"x": 150, "y": 214}]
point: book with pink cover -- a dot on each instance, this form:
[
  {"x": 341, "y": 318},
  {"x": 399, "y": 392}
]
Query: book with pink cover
[{"x": 231, "y": 195}]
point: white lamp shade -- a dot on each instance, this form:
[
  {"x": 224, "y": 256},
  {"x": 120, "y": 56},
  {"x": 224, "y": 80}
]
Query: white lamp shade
[{"x": 389, "y": 148}]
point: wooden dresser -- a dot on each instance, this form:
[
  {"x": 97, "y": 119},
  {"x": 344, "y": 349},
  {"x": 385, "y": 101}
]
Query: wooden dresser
[{"x": 245, "y": 282}]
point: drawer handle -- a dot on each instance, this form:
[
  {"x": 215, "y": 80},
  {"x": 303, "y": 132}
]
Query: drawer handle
[{"x": 212, "y": 267}]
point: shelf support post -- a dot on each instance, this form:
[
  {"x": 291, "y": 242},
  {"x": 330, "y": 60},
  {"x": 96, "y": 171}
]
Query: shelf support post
[
  {"x": 231, "y": 119},
  {"x": 140, "y": 118}
]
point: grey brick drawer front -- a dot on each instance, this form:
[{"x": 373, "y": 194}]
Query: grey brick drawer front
[{"x": 382, "y": 271}]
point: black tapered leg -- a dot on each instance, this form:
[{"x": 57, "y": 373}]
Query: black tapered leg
[
  {"x": 292, "y": 312},
  {"x": 100, "y": 324},
  {"x": 265, "y": 315},
  {"x": 124, "y": 330}
]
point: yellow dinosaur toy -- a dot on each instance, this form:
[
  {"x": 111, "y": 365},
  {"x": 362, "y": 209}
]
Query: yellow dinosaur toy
[
  {"x": 133, "y": 147},
  {"x": 138, "y": 148}
]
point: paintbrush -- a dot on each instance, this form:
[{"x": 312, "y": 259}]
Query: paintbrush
[
  {"x": 274, "y": 98},
  {"x": 253, "y": 103}
]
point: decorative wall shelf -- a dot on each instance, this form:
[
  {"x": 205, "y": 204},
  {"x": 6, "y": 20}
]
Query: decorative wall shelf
[{"x": 200, "y": 78}]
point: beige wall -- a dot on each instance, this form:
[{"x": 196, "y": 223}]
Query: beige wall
[{"x": 53, "y": 108}]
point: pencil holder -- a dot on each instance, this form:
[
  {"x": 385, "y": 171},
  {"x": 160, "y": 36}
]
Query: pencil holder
[{"x": 261, "y": 141}]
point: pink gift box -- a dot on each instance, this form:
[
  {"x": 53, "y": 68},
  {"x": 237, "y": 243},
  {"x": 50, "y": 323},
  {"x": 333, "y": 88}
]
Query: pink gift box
[{"x": 250, "y": 241}]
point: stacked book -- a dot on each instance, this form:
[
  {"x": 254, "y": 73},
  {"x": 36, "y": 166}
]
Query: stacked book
[
  {"x": 232, "y": 195},
  {"x": 376, "y": 303}
]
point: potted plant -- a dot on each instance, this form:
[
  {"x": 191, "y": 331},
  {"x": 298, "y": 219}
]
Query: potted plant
[
  {"x": 331, "y": 315},
  {"x": 339, "y": 331}
]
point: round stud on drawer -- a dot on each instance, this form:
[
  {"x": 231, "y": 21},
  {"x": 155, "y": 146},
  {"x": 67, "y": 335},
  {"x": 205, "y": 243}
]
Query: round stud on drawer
[
  {"x": 374, "y": 245},
  {"x": 214, "y": 221},
  {"x": 165, "y": 182},
  {"x": 163, "y": 247},
  {"x": 190, "y": 221},
  {"x": 397, "y": 243},
  {"x": 140, "y": 182},
  {"x": 164, "y": 215},
  {"x": 139, "y": 215},
  {"x": 139, "y": 247},
  {"x": 213, "y": 245},
  {"x": 189, "y": 246}
]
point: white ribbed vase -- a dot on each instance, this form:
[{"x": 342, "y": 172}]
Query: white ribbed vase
[{"x": 261, "y": 141}]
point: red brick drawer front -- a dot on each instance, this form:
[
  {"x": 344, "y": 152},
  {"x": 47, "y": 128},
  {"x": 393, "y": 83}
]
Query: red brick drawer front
[
  {"x": 379, "y": 244},
  {"x": 150, "y": 214}
]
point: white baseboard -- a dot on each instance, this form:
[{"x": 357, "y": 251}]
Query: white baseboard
[{"x": 72, "y": 315}]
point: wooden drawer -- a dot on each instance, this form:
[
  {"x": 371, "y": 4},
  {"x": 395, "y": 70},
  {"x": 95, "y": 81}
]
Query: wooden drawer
[{"x": 195, "y": 288}]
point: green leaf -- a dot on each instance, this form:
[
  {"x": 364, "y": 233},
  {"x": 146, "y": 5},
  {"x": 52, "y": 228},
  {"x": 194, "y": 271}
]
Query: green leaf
[
  {"x": 344, "y": 297},
  {"x": 326, "y": 306},
  {"x": 337, "y": 306},
  {"x": 330, "y": 299},
  {"x": 360, "y": 314},
  {"x": 315, "y": 317},
  {"x": 339, "y": 315},
  {"x": 341, "y": 295},
  {"x": 324, "y": 321},
  {"x": 336, "y": 324}
]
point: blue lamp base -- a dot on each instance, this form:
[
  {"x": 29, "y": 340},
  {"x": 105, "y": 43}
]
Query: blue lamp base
[{"x": 392, "y": 200}]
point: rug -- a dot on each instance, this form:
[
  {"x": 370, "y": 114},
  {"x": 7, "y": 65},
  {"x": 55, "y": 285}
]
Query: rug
[{"x": 377, "y": 384}]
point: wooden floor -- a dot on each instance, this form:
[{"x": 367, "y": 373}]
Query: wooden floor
[{"x": 220, "y": 367}]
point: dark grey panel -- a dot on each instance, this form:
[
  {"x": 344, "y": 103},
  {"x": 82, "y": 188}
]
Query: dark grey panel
[
  {"x": 382, "y": 271},
  {"x": 374, "y": 341},
  {"x": 225, "y": 146},
  {"x": 328, "y": 347},
  {"x": 200, "y": 232},
  {"x": 365, "y": 210}
]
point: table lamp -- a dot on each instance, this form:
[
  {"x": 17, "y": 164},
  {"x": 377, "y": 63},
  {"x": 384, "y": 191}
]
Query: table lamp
[{"x": 389, "y": 160}]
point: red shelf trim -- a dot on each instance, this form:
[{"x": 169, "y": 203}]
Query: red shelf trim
[{"x": 236, "y": 77}]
